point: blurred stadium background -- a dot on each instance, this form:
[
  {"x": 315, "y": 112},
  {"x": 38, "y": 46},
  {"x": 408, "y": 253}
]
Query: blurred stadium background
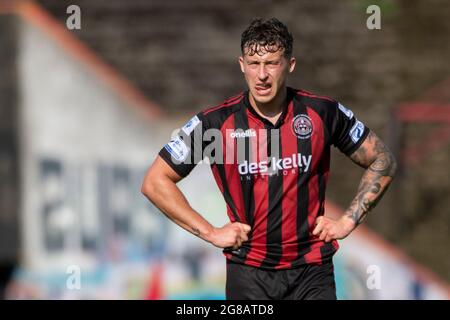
[{"x": 84, "y": 112}]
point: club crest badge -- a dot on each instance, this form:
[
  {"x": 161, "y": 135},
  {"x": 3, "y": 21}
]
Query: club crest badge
[{"x": 302, "y": 126}]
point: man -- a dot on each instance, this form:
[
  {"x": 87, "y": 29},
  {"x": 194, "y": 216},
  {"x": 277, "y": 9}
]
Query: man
[{"x": 271, "y": 160}]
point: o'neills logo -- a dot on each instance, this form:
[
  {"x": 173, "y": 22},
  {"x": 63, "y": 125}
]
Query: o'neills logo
[
  {"x": 243, "y": 134},
  {"x": 274, "y": 164}
]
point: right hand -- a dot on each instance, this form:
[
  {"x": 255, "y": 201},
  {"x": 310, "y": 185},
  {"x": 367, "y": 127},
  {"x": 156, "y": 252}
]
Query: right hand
[{"x": 231, "y": 235}]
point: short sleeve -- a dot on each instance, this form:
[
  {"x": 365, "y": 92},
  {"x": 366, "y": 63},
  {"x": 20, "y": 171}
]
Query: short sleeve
[
  {"x": 185, "y": 150},
  {"x": 347, "y": 132}
]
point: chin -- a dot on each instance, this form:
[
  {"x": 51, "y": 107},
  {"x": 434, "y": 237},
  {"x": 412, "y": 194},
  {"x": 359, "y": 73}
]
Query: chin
[{"x": 263, "y": 99}]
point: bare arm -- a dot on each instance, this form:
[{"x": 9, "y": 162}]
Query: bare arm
[
  {"x": 380, "y": 165},
  {"x": 159, "y": 186}
]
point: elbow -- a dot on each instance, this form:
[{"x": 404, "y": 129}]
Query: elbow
[
  {"x": 385, "y": 165},
  {"x": 148, "y": 186},
  {"x": 156, "y": 181},
  {"x": 153, "y": 183},
  {"x": 392, "y": 166},
  {"x": 146, "y": 189}
]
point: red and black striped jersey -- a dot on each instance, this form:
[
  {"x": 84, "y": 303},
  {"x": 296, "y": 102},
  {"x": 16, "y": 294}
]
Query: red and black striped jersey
[{"x": 272, "y": 176}]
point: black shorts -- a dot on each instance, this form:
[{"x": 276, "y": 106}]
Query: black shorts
[{"x": 309, "y": 282}]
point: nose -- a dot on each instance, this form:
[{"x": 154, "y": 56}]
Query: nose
[{"x": 262, "y": 73}]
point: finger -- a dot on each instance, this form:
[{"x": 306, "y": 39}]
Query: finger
[
  {"x": 244, "y": 227},
  {"x": 238, "y": 243},
  {"x": 318, "y": 228},
  {"x": 323, "y": 234},
  {"x": 318, "y": 220},
  {"x": 329, "y": 238},
  {"x": 243, "y": 235}
]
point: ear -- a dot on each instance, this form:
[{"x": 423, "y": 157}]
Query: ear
[
  {"x": 292, "y": 63},
  {"x": 241, "y": 63}
]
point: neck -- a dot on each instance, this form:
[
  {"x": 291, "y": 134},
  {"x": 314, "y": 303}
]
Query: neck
[{"x": 272, "y": 108}]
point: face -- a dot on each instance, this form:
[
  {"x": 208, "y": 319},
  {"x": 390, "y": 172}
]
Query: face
[{"x": 266, "y": 74}]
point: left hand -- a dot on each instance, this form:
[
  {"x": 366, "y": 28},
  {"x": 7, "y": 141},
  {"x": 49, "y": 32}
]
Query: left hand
[{"x": 329, "y": 229}]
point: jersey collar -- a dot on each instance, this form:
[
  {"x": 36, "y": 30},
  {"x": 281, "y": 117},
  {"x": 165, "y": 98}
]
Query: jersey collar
[{"x": 267, "y": 123}]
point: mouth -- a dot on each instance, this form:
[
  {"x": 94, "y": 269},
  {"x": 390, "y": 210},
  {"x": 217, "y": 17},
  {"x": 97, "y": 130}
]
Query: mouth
[{"x": 263, "y": 89}]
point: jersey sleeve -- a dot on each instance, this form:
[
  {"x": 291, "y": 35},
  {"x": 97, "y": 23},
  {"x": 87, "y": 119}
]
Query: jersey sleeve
[
  {"x": 185, "y": 150},
  {"x": 347, "y": 132}
]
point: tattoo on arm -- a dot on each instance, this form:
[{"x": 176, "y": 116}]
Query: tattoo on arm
[{"x": 380, "y": 165}]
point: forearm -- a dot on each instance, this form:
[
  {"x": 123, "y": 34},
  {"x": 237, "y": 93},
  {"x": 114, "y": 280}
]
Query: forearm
[
  {"x": 374, "y": 183},
  {"x": 165, "y": 195}
]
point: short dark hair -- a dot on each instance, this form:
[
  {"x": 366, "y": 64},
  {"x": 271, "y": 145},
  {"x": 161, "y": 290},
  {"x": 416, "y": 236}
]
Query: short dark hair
[{"x": 271, "y": 35}]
